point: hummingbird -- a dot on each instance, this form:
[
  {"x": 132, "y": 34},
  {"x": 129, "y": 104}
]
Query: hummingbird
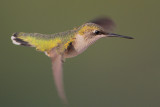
[{"x": 68, "y": 44}]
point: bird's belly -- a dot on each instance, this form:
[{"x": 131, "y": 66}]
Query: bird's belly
[{"x": 81, "y": 49}]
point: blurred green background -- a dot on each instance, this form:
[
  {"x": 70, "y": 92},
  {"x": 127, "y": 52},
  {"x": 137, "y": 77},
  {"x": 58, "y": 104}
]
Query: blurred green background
[{"x": 113, "y": 72}]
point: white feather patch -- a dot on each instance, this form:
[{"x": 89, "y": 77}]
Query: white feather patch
[
  {"x": 81, "y": 44},
  {"x": 13, "y": 40}
]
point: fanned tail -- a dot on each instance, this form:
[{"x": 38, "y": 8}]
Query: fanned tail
[{"x": 18, "y": 41}]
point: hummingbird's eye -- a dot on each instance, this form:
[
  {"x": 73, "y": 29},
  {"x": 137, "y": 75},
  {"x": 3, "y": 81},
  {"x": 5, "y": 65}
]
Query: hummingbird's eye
[{"x": 97, "y": 32}]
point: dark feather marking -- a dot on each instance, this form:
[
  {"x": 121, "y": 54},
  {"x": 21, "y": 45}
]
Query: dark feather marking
[
  {"x": 15, "y": 34},
  {"x": 21, "y": 41},
  {"x": 70, "y": 48}
]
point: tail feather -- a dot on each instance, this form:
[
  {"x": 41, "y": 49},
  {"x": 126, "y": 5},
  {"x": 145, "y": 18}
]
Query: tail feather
[{"x": 18, "y": 41}]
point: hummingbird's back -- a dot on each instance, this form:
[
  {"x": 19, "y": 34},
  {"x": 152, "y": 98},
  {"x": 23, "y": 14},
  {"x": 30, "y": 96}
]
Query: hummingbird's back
[{"x": 42, "y": 42}]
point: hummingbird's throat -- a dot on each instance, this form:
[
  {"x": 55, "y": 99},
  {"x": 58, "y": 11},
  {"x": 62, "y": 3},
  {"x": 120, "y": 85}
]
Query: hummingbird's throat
[{"x": 81, "y": 43}]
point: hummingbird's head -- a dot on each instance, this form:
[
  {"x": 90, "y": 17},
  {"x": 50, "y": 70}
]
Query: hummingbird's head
[
  {"x": 91, "y": 31},
  {"x": 99, "y": 28}
]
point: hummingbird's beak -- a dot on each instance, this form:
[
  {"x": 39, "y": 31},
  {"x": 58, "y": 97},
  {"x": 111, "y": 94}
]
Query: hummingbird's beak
[{"x": 116, "y": 35}]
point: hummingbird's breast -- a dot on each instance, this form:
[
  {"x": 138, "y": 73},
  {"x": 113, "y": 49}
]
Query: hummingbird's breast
[{"x": 78, "y": 46}]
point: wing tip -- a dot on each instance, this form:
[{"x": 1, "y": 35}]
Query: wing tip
[{"x": 105, "y": 22}]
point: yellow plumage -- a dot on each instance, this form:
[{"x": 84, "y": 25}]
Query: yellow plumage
[
  {"x": 42, "y": 44},
  {"x": 87, "y": 29}
]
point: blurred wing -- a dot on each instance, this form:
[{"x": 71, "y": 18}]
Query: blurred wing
[
  {"x": 58, "y": 75},
  {"x": 105, "y": 22}
]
